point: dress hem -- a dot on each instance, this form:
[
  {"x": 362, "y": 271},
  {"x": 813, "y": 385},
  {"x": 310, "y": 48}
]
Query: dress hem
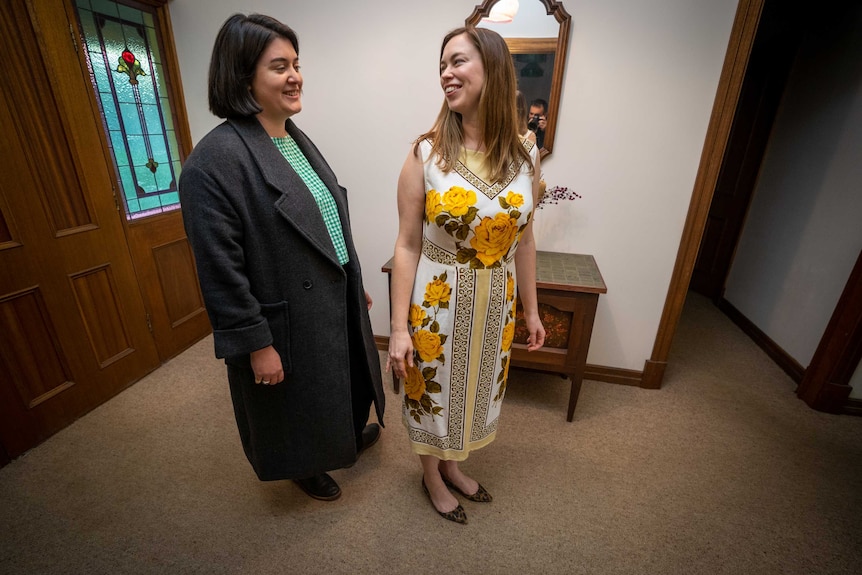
[{"x": 451, "y": 454}]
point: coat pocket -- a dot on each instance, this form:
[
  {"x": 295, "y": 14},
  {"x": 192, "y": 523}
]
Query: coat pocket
[{"x": 278, "y": 318}]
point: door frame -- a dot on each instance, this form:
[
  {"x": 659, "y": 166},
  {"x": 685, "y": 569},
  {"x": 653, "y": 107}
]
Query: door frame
[{"x": 739, "y": 48}]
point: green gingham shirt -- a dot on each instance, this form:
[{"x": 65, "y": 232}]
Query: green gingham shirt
[{"x": 297, "y": 160}]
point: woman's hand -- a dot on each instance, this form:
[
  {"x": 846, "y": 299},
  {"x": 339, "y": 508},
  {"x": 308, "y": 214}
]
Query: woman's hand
[
  {"x": 266, "y": 364},
  {"x": 536, "y": 339},
  {"x": 400, "y": 353},
  {"x": 368, "y": 300},
  {"x": 408, "y": 247}
]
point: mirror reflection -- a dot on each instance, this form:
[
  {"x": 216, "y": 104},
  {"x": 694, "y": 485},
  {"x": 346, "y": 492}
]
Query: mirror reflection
[
  {"x": 537, "y": 34},
  {"x": 534, "y": 73}
]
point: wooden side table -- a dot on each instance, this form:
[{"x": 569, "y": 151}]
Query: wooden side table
[{"x": 568, "y": 288}]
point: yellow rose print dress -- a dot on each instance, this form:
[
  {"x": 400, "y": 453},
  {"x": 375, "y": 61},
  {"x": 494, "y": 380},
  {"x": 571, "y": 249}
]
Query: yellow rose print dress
[{"x": 462, "y": 312}]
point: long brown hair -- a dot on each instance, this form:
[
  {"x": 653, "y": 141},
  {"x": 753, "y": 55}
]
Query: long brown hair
[{"x": 498, "y": 117}]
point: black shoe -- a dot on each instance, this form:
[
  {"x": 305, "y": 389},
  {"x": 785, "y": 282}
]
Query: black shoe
[
  {"x": 370, "y": 435},
  {"x": 322, "y": 487}
]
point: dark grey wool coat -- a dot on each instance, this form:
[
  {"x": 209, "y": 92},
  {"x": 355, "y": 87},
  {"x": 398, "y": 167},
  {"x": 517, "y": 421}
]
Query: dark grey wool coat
[{"x": 269, "y": 275}]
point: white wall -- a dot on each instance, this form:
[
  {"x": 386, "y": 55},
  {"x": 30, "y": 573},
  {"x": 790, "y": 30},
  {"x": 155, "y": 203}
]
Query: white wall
[
  {"x": 804, "y": 228},
  {"x": 638, "y": 92}
]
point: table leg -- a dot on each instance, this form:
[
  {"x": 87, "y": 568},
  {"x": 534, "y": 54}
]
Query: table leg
[{"x": 573, "y": 396}]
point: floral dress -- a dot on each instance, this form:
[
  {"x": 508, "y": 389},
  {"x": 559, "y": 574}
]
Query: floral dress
[{"x": 462, "y": 312}]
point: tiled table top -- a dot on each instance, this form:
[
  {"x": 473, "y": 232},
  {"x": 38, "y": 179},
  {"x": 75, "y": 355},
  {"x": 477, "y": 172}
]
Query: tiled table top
[{"x": 566, "y": 272}]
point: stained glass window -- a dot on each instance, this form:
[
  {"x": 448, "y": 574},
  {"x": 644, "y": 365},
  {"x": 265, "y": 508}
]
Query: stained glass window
[{"x": 127, "y": 73}]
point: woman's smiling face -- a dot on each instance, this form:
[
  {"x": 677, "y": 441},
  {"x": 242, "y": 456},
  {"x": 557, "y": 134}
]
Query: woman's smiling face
[
  {"x": 277, "y": 82},
  {"x": 462, "y": 75}
]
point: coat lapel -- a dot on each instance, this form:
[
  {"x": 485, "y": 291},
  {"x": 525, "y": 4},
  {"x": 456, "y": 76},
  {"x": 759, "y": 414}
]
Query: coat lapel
[
  {"x": 327, "y": 176},
  {"x": 315, "y": 158},
  {"x": 296, "y": 203}
]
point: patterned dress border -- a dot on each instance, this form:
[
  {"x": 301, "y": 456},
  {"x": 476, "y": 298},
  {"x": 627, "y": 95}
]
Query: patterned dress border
[
  {"x": 437, "y": 254},
  {"x": 496, "y": 306},
  {"x": 492, "y": 191}
]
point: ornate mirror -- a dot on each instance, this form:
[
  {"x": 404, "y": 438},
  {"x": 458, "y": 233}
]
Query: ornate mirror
[{"x": 537, "y": 32}]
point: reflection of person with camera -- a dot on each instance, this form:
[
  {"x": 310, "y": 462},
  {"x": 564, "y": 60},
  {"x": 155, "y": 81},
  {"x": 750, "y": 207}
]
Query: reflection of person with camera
[{"x": 538, "y": 120}]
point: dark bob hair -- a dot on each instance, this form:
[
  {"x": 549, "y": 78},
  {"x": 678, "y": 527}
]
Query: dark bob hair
[{"x": 238, "y": 46}]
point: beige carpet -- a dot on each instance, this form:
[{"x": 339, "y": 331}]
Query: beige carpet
[{"x": 723, "y": 470}]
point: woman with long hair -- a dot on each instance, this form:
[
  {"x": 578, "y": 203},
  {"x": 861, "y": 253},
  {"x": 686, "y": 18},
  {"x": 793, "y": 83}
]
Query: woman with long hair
[{"x": 464, "y": 251}]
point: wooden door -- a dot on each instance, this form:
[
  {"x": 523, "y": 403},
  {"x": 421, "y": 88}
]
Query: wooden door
[
  {"x": 72, "y": 319},
  {"x": 778, "y": 36},
  {"x": 157, "y": 241}
]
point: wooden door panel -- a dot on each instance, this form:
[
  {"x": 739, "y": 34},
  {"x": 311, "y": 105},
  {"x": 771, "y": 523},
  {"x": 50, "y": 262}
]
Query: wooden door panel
[
  {"x": 101, "y": 311},
  {"x": 168, "y": 280},
  {"x": 44, "y": 135},
  {"x": 178, "y": 282},
  {"x": 32, "y": 356}
]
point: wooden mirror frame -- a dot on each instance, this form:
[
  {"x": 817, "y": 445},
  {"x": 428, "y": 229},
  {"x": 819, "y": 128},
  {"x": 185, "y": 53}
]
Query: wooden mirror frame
[{"x": 539, "y": 46}]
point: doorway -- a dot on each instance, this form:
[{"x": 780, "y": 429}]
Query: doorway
[
  {"x": 766, "y": 38},
  {"x": 779, "y": 34}
]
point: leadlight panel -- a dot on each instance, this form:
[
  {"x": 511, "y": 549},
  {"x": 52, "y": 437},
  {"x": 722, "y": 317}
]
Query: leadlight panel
[{"x": 127, "y": 74}]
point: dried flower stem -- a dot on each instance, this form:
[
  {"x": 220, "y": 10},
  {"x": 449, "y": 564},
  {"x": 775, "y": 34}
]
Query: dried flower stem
[{"x": 555, "y": 195}]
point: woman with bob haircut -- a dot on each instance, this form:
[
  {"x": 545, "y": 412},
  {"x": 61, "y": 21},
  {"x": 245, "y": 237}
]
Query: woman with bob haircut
[
  {"x": 269, "y": 227},
  {"x": 466, "y": 195}
]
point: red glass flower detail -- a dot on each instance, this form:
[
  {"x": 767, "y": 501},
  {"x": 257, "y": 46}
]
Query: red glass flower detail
[{"x": 131, "y": 66}]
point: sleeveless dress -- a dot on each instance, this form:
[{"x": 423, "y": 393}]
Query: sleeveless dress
[{"x": 462, "y": 310}]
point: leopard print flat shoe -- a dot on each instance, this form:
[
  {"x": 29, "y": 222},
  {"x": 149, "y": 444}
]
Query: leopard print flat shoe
[
  {"x": 481, "y": 495},
  {"x": 457, "y": 515}
]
